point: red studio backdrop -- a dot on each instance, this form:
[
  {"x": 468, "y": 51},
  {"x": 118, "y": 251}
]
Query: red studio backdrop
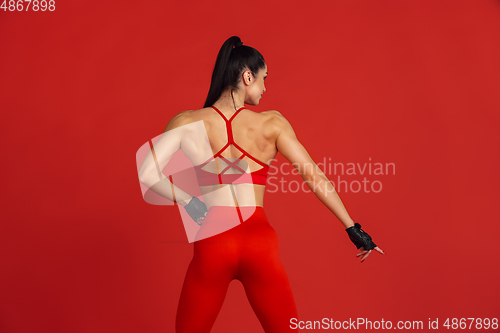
[{"x": 408, "y": 85}]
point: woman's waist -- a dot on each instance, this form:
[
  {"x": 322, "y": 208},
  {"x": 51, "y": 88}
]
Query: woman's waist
[
  {"x": 226, "y": 208},
  {"x": 236, "y": 214},
  {"x": 233, "y": 196}
]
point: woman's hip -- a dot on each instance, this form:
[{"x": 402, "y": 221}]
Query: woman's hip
[{"x": 234, "y": 224}]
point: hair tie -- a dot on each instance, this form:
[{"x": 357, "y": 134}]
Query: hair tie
[{"x": 238, "y": 44}]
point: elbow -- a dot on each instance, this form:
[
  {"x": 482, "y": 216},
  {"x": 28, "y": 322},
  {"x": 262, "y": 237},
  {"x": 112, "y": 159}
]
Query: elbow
[
  {"x": 311, "y": 174},
  {"x": 143, "y": 181},
  {"x": 145, "y": 177},
  {"x": 307, "y": 177},
  {"x": 314, "y": 179}
]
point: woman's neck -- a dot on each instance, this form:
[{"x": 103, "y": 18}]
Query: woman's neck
[{"x": 226, "y": 101}]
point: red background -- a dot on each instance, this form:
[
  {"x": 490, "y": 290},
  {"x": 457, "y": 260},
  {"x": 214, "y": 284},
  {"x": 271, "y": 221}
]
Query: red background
[{"x": 406, "y": 82}]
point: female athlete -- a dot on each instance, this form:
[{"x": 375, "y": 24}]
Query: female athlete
[{"x": 235, "y": 240}]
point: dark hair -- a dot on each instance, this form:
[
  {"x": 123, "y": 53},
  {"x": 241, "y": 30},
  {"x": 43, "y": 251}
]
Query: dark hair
[{"x": 231, "y": 62}]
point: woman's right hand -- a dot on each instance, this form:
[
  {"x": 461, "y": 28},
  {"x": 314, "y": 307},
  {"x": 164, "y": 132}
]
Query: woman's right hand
[
  {"x": 200, "y": 219},
  {"x": 196, "y": 209}
]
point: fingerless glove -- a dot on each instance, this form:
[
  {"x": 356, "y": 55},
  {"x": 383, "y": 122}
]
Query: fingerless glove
[
  {"x": 196, "y": 209},
  {"x": 360, "y": 238}
]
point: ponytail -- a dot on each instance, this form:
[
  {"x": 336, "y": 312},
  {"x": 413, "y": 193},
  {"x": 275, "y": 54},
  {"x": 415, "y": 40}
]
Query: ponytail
[{"x": 232, "y": 60}]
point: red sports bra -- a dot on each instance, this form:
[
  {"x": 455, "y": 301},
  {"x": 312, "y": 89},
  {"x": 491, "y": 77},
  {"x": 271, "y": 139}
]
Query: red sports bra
[{"x": 205, "y": 178}]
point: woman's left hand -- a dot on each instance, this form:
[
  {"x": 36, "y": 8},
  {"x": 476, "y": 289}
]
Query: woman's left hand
[{"x": 365, "y": 254}]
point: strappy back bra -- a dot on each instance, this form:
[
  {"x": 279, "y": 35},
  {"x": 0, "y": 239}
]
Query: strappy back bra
[{"x": 208, "y": 178}]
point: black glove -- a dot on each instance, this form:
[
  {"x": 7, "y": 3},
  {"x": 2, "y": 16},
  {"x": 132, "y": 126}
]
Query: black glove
[
  {"x": 196, "y": 209},
  {"x": 360, "y": 238}
]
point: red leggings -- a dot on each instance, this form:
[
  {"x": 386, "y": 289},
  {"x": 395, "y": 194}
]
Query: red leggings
[{"x": 248, "y": 252}]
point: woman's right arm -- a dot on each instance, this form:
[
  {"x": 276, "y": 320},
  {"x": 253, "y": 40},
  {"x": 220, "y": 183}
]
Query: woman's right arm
[
  {"x": 150, "y": 172},
  {"x": 290, "y": 147}
]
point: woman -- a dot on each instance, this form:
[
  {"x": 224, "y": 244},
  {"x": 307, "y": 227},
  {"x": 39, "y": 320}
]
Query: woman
[{"x": 235, "y": 240}]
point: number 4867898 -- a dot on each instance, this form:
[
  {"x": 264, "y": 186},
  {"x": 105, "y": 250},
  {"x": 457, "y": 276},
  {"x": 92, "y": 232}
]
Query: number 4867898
[{"x": 25, "y": 5}]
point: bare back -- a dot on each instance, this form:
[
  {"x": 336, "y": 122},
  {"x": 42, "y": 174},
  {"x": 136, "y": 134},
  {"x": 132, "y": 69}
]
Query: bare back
[{"x": 255, "y": 133}]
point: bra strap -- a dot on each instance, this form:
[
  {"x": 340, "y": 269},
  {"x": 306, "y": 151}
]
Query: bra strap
[
  {"x": 228, "y": 123},
  {"x": 224, "y": 117}
]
